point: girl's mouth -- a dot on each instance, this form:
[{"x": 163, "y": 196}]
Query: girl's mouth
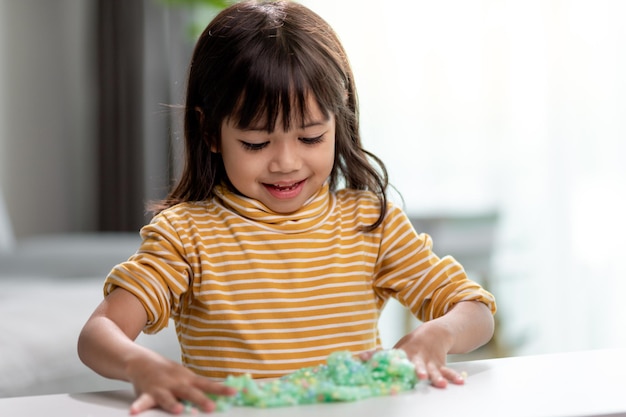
[{"x": 285, "y": 190}]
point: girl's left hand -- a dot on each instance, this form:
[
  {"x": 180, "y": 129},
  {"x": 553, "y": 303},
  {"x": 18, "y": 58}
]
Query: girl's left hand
[
  {"x": 427, "y": 347},
  {"x": 465, "y": 327}
]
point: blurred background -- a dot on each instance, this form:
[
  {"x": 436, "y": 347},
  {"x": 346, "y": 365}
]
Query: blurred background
[{"x": 502, "y": 124}]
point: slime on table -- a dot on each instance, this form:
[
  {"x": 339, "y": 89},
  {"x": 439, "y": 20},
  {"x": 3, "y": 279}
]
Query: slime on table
[{"x": 342, "y": 378}]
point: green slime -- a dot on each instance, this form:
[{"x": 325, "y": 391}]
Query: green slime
[{"x": 342, "y": 378}]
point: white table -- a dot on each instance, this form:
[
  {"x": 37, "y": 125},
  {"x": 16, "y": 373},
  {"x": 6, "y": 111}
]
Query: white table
[{"x": 591, "y": 383}]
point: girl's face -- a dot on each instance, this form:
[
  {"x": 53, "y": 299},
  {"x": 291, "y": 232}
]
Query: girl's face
[{"x": 281, "y": 169}]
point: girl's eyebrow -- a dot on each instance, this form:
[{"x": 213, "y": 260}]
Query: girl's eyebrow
[
  {"x": 253, "y": 129},
  {"x": 313, "y": 124},
  {"x": 306, "y": 125}
]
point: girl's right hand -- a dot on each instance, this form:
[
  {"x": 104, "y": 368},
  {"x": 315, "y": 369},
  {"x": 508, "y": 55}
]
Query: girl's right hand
[
  {"x": 162, "y": 383},
  {"x": 107, "y": 345}
]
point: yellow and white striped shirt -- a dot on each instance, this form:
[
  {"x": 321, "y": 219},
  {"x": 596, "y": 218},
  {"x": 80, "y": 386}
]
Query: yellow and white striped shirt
[{"x": 252, "y": 291}]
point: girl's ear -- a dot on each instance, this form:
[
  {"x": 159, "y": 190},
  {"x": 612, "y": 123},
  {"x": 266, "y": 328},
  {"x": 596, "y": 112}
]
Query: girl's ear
[
  {"x": 205, "y": 135},
  {"x": 199, "y": 115},
  {"x": 214, "y": 145}
]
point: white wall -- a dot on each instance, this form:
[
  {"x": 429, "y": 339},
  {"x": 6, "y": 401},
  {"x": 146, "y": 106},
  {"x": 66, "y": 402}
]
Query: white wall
[
  {"x": 46, "y": 115},
  {"x": 517, "y": 106}
]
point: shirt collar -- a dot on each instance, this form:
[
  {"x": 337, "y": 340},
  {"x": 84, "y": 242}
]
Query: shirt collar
[{"x": 314, "y": 211}]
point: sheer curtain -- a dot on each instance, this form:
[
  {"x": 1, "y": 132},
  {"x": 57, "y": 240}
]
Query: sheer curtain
[
  {"x": 514, "y": 106},
  {"x": 143, "y": 53}
]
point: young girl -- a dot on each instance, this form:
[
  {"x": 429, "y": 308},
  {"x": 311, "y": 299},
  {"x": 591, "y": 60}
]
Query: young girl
[{"x": 278, "y": 245}]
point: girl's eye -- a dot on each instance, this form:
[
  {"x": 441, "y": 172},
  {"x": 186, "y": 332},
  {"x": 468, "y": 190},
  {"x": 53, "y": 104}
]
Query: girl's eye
[
  {"x": 312, "y": 141},
  {"x": 253, "y": 146}
]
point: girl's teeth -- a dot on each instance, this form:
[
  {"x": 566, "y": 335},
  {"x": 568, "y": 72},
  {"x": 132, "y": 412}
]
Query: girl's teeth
[
  {"x": 285, "y": 187},
  {"x": 288, "y": 187}
]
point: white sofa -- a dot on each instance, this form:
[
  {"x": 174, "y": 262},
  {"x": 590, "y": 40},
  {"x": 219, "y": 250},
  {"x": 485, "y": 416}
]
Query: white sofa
[{"x": 49, "y": 286}]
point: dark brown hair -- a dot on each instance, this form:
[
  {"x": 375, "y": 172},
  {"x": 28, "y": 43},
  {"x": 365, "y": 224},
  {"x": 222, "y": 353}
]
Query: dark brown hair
[{"x": 257, "y": 61}]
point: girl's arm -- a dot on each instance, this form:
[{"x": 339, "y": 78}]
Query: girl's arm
[
  {"x": 467, "y": 326},
  {"x": 106, "y": 344}
]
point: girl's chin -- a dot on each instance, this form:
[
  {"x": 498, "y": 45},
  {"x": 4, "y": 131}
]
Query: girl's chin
[{"x": 286, "y": 208}]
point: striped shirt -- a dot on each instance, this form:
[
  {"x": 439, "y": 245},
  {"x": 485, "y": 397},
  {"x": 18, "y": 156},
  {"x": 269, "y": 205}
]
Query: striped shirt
[{"x": 252, "y": 291}]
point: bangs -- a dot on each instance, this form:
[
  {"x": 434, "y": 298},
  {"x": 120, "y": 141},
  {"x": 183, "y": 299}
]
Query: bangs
[{"x": 278, "y": 87}]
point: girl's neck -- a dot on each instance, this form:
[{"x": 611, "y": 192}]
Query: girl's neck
[{"x": 314, "y": 211}]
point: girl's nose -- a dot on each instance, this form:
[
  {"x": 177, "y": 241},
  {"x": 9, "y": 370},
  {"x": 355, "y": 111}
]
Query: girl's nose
[{"x": 285, "y": 158}]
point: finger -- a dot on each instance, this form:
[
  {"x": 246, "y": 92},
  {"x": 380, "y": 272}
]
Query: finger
[
  {"x": 197, "y": 395},
  {"x": 196, "y": 398},
  {"x": 166, "y": 400},
  {"x": 436, "y": 378},
  {"x": 452, "y": 376},
  {"x": 142, "y": 403},
  {"x": 366, "y": 356},
  {"x": 420, "y": 369},
  {"x": 203, "y": 404},
  {"x": 212, "y": 387}
]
